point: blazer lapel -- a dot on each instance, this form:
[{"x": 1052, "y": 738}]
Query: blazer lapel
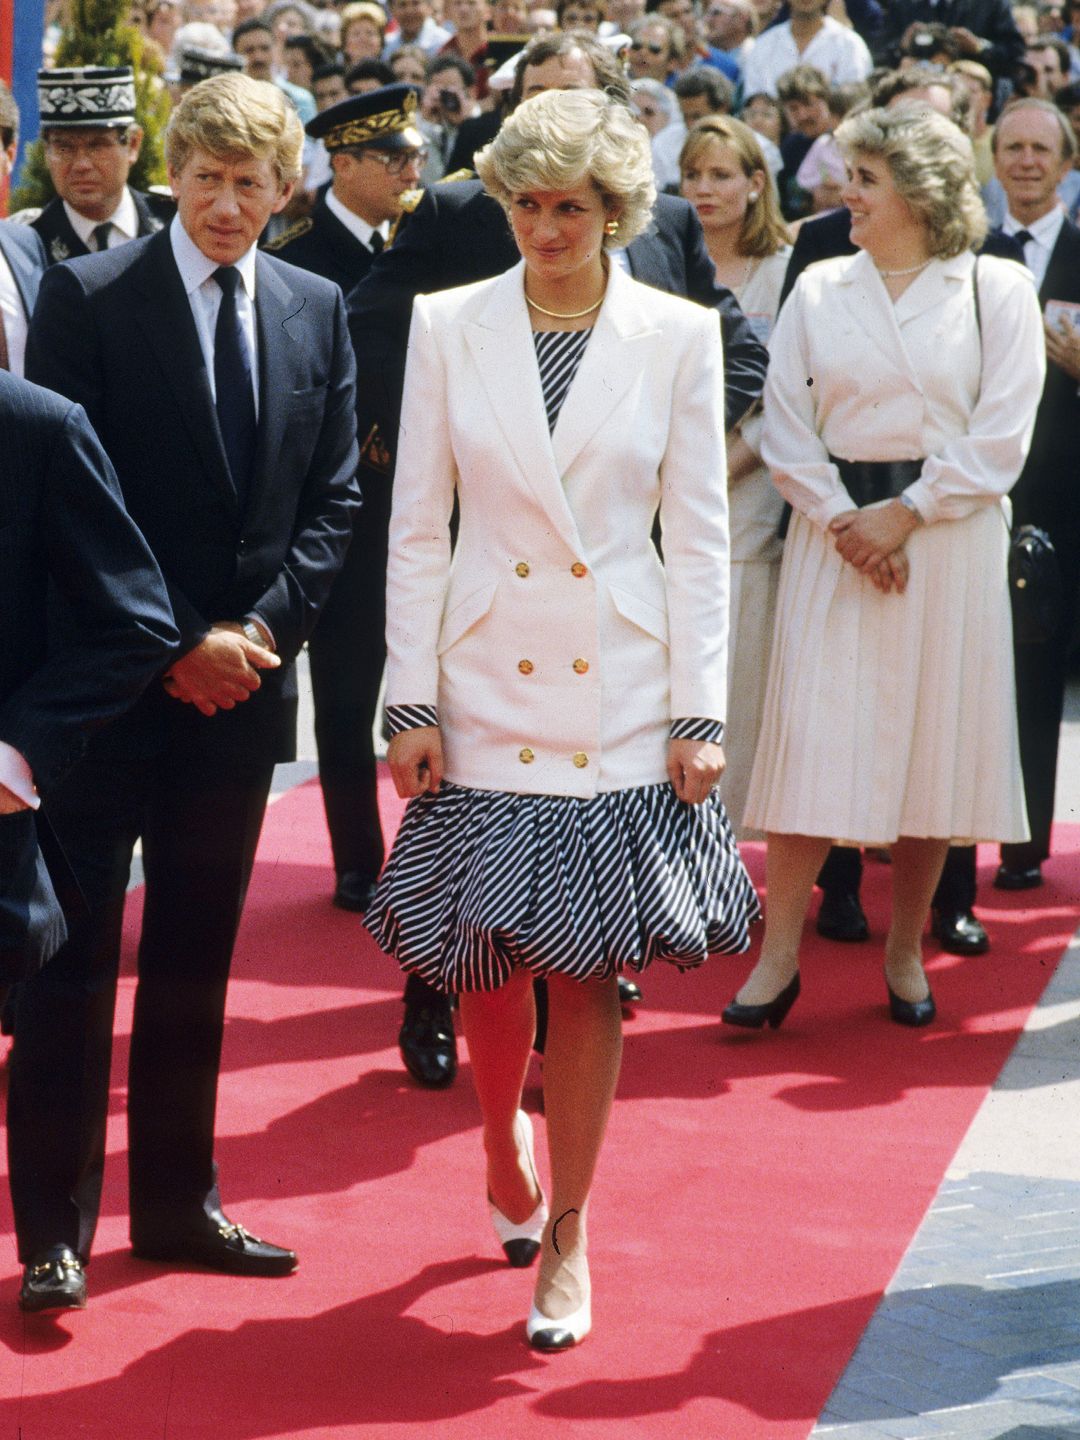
[
  {"x": 615, "y": 358},
  {"x": 501, "y": 328},
  {"x": 164, "y": 312},
  {"x": 276, "y": 306}
]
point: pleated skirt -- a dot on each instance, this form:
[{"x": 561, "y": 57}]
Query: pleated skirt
[
  {"x": 481, "y": 883},
  {"x": 890, "y": 715}
]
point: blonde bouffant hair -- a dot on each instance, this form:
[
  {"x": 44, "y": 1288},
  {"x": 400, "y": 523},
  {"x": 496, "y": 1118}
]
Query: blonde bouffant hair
[
  {"x": 932, "y": 166},
  {"x": 559, "y": 139},
  {"x": 230, "y": 115}
]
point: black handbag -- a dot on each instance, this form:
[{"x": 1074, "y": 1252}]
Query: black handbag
[{"x": 1035, "y": 586}]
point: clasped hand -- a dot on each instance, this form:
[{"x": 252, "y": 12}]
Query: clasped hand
[
  {"x": 415, "y": 758},
  {"x": 872, "y": 540},
  {"x": 221, "y": 671},
  {"x": 694, "y": 767}
]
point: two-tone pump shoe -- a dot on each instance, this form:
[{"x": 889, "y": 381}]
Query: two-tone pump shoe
[
  {"x": 546, "y": 1334},
  {"x": 521, "y": 1243},
  {"x": 773, "y": 1012}
]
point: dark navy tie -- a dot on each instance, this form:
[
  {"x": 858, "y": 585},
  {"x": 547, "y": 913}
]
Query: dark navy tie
[
  {"x": 233, "y": 385},
  {"x": 101, "y": 235}
]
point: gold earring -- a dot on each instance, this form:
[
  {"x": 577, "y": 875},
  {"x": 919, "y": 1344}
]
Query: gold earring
[{"x": 611, "y": 228}]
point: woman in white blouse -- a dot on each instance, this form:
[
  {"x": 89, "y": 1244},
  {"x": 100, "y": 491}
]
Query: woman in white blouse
[
  {"x": 557, "y": 691},
  {"x": 724, "y": 176},
  {"x": 899, "y": 404}
]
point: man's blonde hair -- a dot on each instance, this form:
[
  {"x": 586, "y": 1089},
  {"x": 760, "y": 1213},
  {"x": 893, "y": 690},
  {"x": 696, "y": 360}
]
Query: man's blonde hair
[{"x": 231, "y": 115}]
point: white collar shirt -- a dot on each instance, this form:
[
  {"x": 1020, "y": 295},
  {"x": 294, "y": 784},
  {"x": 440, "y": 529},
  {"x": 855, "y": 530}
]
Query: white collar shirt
[
  {"x": 124, "y": 220},
  {"x": 354, "y": 223},
  {"x": 204, "y": 297},
  {"x": 837, "y": 51},
  {"x": 1044, "y": 234}
]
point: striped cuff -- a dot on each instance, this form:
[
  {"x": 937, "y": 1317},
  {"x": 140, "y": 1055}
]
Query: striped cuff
[
  {"x": 408, "y": 717},
  {"x": 695, "y": 728}
]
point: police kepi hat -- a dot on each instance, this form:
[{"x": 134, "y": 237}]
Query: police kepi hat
[
  {"x": 87, "y": 95},
  {"x": 383, "y": 117}
]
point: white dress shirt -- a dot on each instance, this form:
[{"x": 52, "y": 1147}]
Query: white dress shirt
[
  {"x": 837, "y": 51},
  {"x": 124, "y": 220},
  {"x": 355, "y": 224},
  {"x": 1044, "y": 234},
  {"x": 204, "y": 297},
  {"x": 14, "y": 317}
]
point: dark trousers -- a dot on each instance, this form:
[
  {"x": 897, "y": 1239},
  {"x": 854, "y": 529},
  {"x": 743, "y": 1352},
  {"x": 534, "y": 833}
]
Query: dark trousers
[
  {"x": 199, "y": 825},
  {"x": 347, "y": 653},
  {"x": 1040, "y": 703},
  {"x": 956, "y": 888}
]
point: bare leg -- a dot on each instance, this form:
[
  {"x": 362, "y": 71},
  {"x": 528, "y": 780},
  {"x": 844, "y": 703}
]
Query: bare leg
[
  {"x": 916, "y": 870},
  {"x": 791, "y": 866},
  {"x": 499, "y": 1027},
  {"x": 581, "y": 1070}
]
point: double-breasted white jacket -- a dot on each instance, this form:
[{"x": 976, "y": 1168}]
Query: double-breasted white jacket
[{"x": 556, "y": 645}]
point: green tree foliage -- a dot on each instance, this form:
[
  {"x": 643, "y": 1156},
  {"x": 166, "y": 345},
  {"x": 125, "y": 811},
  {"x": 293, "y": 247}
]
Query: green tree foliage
[{"x": 97, "y": 32}]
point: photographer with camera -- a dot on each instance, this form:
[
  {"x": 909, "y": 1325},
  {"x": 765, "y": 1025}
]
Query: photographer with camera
[{"x": 449, "y": 99}]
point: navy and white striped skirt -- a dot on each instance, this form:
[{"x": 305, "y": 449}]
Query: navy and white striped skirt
[{"x": 481, "y": 883}]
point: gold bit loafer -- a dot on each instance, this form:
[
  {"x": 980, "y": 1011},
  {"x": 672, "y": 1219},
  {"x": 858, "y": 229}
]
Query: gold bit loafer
[{"x": 54, "y": 1280}]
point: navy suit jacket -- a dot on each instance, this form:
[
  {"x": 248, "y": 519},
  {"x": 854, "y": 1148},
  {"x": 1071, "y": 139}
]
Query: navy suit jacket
[
  {"x": 85, "y": 624},
  {"x": 115, "y": 332},
  {"x": 459, "y": 234},
  {"x": 25, "y": 254}
]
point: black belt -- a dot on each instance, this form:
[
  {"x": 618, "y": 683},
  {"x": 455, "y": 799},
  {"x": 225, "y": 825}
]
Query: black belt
[{"x": 868, "y": 481}]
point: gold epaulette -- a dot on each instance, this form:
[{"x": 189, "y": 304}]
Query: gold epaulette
[
  {"x": 457, "y": 175},
  {"x": 409, "y": 200},
  {"x": 295, "y": 230}
]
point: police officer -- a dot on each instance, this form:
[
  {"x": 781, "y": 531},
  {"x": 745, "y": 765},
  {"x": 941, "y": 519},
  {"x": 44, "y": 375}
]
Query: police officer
[
  {"x": 91, "y": 142},
  {"x": 376, "y": 154}
]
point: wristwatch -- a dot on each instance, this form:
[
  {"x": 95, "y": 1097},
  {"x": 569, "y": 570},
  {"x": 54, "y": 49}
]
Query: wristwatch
[{"x": 253, "y": 633}]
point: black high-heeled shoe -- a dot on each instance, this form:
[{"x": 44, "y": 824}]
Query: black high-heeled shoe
[
  {"x": 910, "y": 1012},
  {"x": 753, "y": 1017}
]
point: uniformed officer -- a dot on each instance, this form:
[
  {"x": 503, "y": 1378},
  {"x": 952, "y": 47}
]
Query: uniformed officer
[
  {"x": 197, "y": 64},
  {"x": 91, "y": 142},
  {"x": 376, "y": 153}
]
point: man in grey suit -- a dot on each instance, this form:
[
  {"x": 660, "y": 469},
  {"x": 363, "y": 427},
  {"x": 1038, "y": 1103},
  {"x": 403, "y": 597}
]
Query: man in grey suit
[{"x": 22, "y": 253}]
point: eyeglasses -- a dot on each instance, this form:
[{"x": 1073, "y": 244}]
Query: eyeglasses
[
  {"x": 652, "y": 49},
  {"x": 69, "y": 150},
  {"x": 398, "y": 163}
]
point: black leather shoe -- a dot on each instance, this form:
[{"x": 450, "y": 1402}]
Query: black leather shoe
[
  {"x": 54, "y": 1280},
  {"x": 226, "y": 1247},
  {"x": 910, "y": 1012},
  {"x": 1029, "y": 878},
  {"x": 841, "y": 916},
  {"x": 753, "y": 1017},
  {"x": 958, "y": 932},
  {"x": 629, "y": 991},
  {"x": 428, "y": 1046},
  {"x": 354, "y": 891}
]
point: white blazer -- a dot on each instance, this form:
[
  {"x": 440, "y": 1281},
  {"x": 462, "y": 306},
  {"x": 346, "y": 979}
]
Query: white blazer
[{"x": 544, "y": 640}]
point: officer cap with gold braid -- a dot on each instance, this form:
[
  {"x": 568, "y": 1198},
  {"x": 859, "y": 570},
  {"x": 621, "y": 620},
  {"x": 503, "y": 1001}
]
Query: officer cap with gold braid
[{"x": 382, "y": 118}]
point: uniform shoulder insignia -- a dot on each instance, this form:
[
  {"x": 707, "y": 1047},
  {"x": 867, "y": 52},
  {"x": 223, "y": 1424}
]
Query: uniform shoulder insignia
[
  {"x": 295, "y": 230},
  {"x": 26, "y": 217},
  {"x": 409, "y": 200},
  {"x": 456, "y": 175}
]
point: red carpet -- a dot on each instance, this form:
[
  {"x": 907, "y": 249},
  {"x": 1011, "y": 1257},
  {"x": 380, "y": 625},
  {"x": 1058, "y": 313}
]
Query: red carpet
[{"x": 756, "y": 1194}]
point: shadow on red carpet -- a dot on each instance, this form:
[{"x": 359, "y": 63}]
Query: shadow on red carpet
[{"x": 756, "y": 1194}]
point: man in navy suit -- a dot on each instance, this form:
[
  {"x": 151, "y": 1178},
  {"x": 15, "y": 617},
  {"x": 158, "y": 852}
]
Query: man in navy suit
[
  {"x": 22, "y": 254},
  {"x": 85, "y": 624},
  {"x": 457, "y": 234},
  {"x": 221, "y": 383},
  {"x": 1034, "y": 148}
]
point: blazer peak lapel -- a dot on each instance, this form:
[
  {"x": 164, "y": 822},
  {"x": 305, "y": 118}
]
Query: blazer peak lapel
[{"x": 514, "y": 393}]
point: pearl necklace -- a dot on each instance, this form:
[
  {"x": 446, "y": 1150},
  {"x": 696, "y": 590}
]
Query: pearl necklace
[
  {"x": 569, "y": 315},
  {"x": 911, "y": 270}
]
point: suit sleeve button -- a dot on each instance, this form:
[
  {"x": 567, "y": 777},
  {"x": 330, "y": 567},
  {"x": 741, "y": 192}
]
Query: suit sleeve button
[
  {"x": 522, "y": 568},
  {"x": 580, "y": 667},
  {"x": 525, "y": 666},
  {"x": 578, "y": 569},
  {"x": 581, "y": 759},
  {"x": 526, "y": 756}
]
